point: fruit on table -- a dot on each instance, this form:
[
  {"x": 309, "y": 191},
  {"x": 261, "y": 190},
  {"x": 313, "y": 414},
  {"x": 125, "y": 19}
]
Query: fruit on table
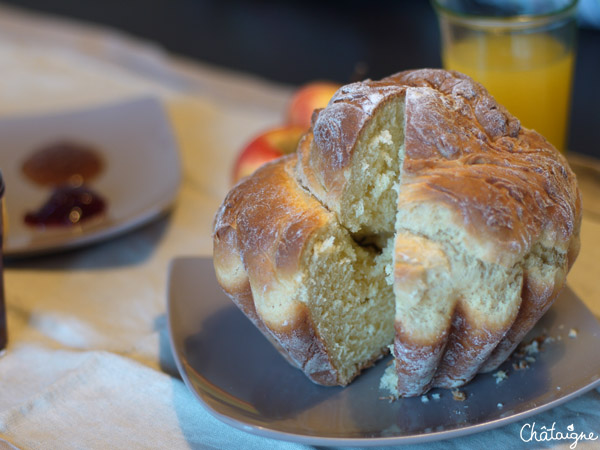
[
  {"x": 308, "y": 98},
  {"x": 265, "y": 147},
  {"x": 283, "y": 140}
]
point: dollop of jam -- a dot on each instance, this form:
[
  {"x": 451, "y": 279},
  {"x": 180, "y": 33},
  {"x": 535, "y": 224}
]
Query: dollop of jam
[
  {"x": 65, "y": 166},
  {"x": 63, "y": 162},
  {"x": 68, "y": 205}
]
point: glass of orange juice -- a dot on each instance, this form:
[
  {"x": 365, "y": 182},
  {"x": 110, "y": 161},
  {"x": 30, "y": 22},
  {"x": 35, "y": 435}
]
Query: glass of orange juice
[{"x": 522, "y": 51}]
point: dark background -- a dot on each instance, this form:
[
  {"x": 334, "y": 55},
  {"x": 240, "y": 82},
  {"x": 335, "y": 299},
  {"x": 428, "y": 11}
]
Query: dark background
[{"x": 298, "y": 41}]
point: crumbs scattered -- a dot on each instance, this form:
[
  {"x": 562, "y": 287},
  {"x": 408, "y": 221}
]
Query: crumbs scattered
[
  {"x": 458, "y": 395},
  {"x": 500, "y": 376},
  {"x": 435, "y": 396},
  {"x": 389, "y": 398},
  {"x": 531, "y": 348},
  {"x": 500, "y": 405},
  {"x": 520, "y": 365},
  {"x": 523, "y": 355},
  {"x": 572, "y": 333},
  {"x": 424, "y": 399}
]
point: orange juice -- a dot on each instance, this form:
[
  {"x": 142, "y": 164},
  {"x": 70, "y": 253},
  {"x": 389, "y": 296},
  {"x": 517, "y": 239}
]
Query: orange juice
[{"x": 530, "y": 74}]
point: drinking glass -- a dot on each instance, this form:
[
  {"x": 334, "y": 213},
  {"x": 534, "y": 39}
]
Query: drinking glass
[{"x": 522, "y": 51}]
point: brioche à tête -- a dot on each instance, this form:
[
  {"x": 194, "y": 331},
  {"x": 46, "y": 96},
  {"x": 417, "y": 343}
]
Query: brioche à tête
[{"x": 417, "y": 215}]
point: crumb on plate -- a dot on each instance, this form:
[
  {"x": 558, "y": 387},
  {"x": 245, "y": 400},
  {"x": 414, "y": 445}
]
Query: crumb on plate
[
  {"x": 532, "y": 348},
  {"x": 458, "y": 395},
  {"x": 572, "y": 333},
  {"x": 500, "y": 376},
  {"x": 521, "y": 365}
]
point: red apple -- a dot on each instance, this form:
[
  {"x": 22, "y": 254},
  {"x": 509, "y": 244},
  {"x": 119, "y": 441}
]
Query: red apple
[
  {"x": 267, "y": 146},
  {"x": 308, "y": 98}
]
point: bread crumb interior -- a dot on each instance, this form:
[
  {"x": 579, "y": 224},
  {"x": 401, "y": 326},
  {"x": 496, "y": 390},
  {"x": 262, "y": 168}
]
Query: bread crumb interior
[
  {"x": 369, "y": 203},
  {"x": 353, "y": 306}
]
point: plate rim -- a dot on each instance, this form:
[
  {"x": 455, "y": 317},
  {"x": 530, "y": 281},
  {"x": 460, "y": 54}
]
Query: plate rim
[{"x": 335, "y": 441}]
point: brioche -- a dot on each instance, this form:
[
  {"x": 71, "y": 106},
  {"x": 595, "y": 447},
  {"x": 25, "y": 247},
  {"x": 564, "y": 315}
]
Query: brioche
[{"x": 417, "y": 214}]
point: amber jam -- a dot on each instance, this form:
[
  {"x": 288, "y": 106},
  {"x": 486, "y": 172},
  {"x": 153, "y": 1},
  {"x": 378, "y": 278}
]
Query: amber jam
[{"x": 68, "y": 205}]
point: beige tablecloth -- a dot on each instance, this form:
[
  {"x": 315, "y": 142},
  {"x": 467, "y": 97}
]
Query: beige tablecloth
[{"x": 89, "y": 364}]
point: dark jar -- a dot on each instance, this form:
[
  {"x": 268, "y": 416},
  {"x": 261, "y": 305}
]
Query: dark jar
[{"x": 3, "y": 331}]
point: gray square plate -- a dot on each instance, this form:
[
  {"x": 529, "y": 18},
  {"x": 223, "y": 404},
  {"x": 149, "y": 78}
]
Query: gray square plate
[{"x": 242, "y": 379}]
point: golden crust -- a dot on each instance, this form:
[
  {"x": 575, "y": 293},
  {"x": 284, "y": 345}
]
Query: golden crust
[
  {"x": 259, "y": 235},
  {"x": 464, "y": 149},
  {"x": 327, "y": 151}
]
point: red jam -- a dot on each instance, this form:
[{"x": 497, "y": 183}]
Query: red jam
[{"x": 67, "y": 206}]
